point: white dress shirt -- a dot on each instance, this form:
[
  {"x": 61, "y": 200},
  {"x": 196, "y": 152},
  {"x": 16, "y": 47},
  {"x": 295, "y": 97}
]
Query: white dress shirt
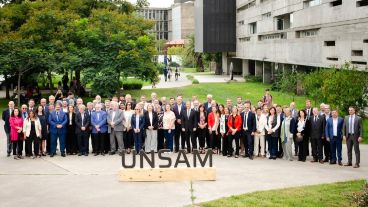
[{"x": 334, "y": 125}]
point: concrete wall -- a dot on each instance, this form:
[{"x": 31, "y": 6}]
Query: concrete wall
[
  {"x": 345, "y": 24},
  {"x": 183, "y": 22}
]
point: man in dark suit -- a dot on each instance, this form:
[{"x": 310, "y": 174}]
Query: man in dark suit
[
  {"x": 308, "y": 110},
  {"x": 208, "y": 104},
  {"x": 6, "y": 116},
  {"x": 179, "y": 108},
  {"x": 353, "y": 134},
  {"x": 333, "y": 130},
  {"x": 82, "y": 122},
  {"x": 189, "y": 127},
  {"x": 249, "y": 127},
  {"x": 317, "y": 134},
  {"x": 325, "y": 143},
  {"x": 57, "y": 122}
]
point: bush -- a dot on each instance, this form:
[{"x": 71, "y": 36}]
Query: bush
[
  {"x": 253, "y": 79},
  {"x": 174, "y": 64},
  {"x": 361, "y": 198},
  {"x": 132, "y": 85},
  {"x": 195, "y": 81}
]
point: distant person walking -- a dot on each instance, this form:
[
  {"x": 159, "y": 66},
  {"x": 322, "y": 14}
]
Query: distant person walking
[{"x": 165, "y": 73}]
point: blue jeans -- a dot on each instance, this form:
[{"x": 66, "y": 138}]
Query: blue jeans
[
  {"x": 169, "y": 139},
  {"x": 336, "y": 144},
  {"x": 53, "y": 142},
  {"x": 137, "y": 141}
]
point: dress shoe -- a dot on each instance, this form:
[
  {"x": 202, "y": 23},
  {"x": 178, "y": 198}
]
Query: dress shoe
[
  {"x": 321, "y": 161},
  {"x": 63, "y": 154},
  {"x": 85, "y": 154},
  {"x": 52, "y": 155},
  {"x": 348, "y": 164},
  {"x": 314, "y": 160},
  {"x": 340, "y": 163},
  {"x": 251, "y": 157},
  {"x": 111, "y": 153},
  {"x": 79, "y": 154},
  {"x": 120, "y": 154},
  {"x": 332, "y": 162},
  {"x": 96, "y": 154},
  {"x": 8, "y": 155},
  {"x": 356, "y": 166},
  {"x": 326, "y": 160}
]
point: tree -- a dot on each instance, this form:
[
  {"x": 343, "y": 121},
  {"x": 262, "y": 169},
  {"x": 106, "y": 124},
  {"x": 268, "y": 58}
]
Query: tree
[{"x": 190, "y": 51}]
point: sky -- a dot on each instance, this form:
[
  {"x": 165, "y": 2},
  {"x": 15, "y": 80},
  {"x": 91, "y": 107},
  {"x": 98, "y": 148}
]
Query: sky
[{"x": 158, "y": 3}]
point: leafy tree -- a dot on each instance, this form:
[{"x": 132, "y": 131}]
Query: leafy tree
[{"x": 190, "y": 51}]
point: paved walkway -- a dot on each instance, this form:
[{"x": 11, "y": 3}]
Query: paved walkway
[
  {"x": 92, "y": 181},
  {"x": 183, "y": 81}
]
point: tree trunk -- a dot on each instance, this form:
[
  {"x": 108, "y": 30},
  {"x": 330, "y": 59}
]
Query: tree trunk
[
  {"x": 18, "y": 91},
  {"x": 49, "y": 77},
  {"x": 7, "y": 87}
]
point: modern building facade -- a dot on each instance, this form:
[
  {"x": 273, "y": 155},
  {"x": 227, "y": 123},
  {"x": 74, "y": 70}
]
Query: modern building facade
[
  {"x": 274, "y": 35},
  {"x": 183, "y": 23},
  {"x": 162, "y": 19}
]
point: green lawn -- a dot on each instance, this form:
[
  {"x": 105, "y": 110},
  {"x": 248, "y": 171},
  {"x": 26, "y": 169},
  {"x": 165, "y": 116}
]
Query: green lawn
[
  {"x": 336, "y": 194},
  {"x": 222, "y": 91},
  {"x": 365, "y": 128}
]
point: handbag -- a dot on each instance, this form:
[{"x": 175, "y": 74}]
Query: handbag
[{"x": 299, "y": 138}]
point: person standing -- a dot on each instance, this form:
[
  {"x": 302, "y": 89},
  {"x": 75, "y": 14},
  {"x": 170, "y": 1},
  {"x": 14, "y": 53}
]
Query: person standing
[
  {"x": 160, "y": 131},
  {"x": 169, "y": 126},
  {"x": 151, "y": 126},
  {"x": 165, "y": 73},
  {"x": 202, "y": 127},
  {"x": 82, "y": 122},
  {"x": 334, "y": 135},
  {"x": 287, "y": 134},
  {"x": 267, "y": 98},
  {"x": 273, "y": 127},
  {"x": 259, "y": 135},
  {"x": 99, "y": 129},
  {"x": 353, "y": 134},
  {"x": 189, "y": 127},
  {"x": 58, "y": 121},
  {"x": 308, "y": 114},
  {"x": 224, "y": 128},
  {"x": 317, "y": 134},
  {"x": 138, "y": 127},
  {"x": 213, "y": 123},
  {"x": 178, "y": 109},
  {"x": 249, "y": 127},
  {"x": 16, "y": 133},
  {"x": 44, "y": 128},
  {"x": 6, "y": 116},
  {"x": 115, "y": 120},
  {"x": 234, "y": 123},
  {"x": 302, "y": 133},
  {"x": 325, "y": 143},
  {"x": 71, "y": 139},
  {"x": 128, "y": 136},
  {"x": 32, "y": 133}
]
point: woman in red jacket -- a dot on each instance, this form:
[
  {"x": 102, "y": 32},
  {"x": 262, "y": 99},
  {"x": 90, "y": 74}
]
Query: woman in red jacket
[
  {"x": 234, "y": 123},
  {"x": 213, "y": 123},
  {"x": 16, "y": 129}
]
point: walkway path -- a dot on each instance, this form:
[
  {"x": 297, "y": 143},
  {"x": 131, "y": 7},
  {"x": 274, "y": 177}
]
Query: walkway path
[{"x": 92, "y": 181}]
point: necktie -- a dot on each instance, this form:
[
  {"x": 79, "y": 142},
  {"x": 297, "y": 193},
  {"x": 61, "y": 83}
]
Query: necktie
[
  {"x": 351, "y": 125},
  {"x": 188, "y": 114},
  {"x": 82, "y": 119},
  {"x": 57, "y": 116}
]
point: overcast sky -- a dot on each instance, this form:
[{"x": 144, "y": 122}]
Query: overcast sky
[{"x": 158, "y": 3}]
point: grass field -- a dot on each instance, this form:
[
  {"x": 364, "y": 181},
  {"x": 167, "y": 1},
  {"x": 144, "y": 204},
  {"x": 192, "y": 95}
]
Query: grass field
[
  {"x": 325, "y": 195},
  {"x": 365, "y": 128}
]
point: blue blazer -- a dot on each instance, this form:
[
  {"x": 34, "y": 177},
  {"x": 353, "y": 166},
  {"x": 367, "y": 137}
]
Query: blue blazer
[
  {"x": 101, "y": 121},
  {"x": 53, "y": 121},
  {"x": 141, "y": 122},
  {"x": 329, "y": 127}
]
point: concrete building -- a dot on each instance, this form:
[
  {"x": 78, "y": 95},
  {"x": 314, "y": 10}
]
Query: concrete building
[
  {"x": 273, "y": 35},
  {"x": 183, "y": 23},
  {"x": 162, "y": 18}
]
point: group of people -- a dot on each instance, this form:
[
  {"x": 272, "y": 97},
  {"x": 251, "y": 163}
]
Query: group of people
[{"x": 232, "y": 129}]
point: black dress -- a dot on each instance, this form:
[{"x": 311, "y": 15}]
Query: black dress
[{"x": 43, "y": 123}]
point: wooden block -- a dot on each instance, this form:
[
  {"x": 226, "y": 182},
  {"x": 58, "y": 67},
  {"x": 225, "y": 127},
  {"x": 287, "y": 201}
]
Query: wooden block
[{"x": 167, "y": 174}]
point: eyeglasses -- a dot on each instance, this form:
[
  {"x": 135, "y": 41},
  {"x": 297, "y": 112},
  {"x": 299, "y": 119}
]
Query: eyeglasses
[{"x": 137, "y": 109}]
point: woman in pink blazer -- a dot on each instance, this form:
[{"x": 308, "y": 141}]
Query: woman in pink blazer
[{"x": 16, "y": 134}]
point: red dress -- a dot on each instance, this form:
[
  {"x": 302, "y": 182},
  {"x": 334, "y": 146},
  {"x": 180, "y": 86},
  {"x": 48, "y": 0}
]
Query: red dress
[{"x": 15, "y": 122}]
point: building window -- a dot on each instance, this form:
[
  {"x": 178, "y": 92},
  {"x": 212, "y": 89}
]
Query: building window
[
  {"x": 253, "y": 28},
  {"x": 272, "y": 36},
  {"x": 365, "y": 41},
  {"x": 357, "y": 53},
  {"x": 311, "y": 3},
  {"x": 336, "y": 3},
  {"x": 307, "y": 33},
  {"x": 244, "y": 39},
  {"x": 246, "y": 6},
  {"x": 266, "y": 15},
  {"x": 283, "y": 21},
  {"x": 359, "y": 62},
  {"x": 332, "y": 58},
  {"x": 362, "y": 3},
  {"x": 329, "y": 43}
]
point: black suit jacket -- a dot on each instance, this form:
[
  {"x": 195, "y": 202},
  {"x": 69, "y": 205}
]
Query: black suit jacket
[
  {"x": 188, "y": 123},
  {"x": 176, "y": 111},
  {"x": 147, "y": 121},
  {"x": 78, "y": 122},
  {"x": 6, "y": 116},
  {"x": 317, "y": 128},
  {"x": 251, "y": 122}
]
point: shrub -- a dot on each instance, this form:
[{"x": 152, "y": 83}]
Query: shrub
[
  {"x": 361, "y": 198},
  {"x": 252, "y": 78},
  {"x": 132, "y": 85},
  {"x": 195, "y": 81},
  {"x": 174, "y": 64}
]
